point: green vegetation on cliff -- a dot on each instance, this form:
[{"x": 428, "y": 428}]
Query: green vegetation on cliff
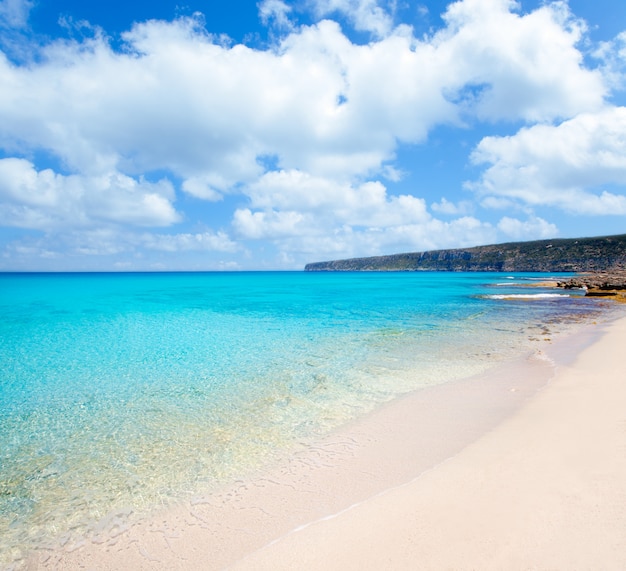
[{"x": 562, "y": 255}]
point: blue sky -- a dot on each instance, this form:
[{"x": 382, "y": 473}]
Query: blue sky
[{"x": 212, "y": 135}]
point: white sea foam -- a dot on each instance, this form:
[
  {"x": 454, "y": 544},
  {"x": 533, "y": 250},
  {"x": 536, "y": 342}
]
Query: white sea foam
[{"x": 527, "y": 296}]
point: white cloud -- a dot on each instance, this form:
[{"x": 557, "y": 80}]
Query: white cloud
[
  {"x": 15, "y": 13},
  {"x": 560, "y": 165},
  {"x": 202, "y": 241},
  {"x": 348, "y": 241},
  {"x": 179, "y": 100},
  {"x": 612, "y": 56},
  {"x": 366, "y": 204},
  {"x": 307, "y": 216},
  {"x": 305, "y": 131},
  {"x": 268, "y": 224},
  {"x": 95, "y": 248},
  {"x": 510, "y": 66},
  {"x": 276, "y": 11},
  {"x": 531, "y": 229},
  {"x": 45, "y": 200},
  {"x": 204, "y": 187},
  {"x": 364, "y": 15},
  {"x": 444, "y": 206}
]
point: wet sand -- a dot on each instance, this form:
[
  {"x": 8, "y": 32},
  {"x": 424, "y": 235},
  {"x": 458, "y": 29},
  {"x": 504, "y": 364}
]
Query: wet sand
[
  {"x": 501, "y": 471},
  {"x": 545, "y": 490}
]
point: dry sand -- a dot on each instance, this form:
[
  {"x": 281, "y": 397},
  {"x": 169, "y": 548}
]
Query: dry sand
[
  {"x": 488, "y": 473},
  {"x": 545, "y": 490}
]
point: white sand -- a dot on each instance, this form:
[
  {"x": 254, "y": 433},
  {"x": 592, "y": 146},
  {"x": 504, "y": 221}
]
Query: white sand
[
  {"x": 545, "y": 490},
  {"x": 500, "y": 476}
]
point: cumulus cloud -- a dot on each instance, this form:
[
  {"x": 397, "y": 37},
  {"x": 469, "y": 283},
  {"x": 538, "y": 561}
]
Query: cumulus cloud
[
  {"x": 533, "y": 228},
  {"x": 45, "y": 200},
  {"x": 347, "y": 241},
  {"x": 269, "y": 223},
  {"x": 328, "y": 242},
  {"x": 563, "y": 165},
  {"x": 511, "y": 66},
  {"x": 366, "y": 204},
  {"x": 314, "y": 216},
  {"x": 176, "y": 99},
  {"x": 304, "y": 132}
]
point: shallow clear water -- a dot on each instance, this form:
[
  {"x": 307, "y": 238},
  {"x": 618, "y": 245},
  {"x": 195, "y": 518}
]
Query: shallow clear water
[{"x": 121, "y": 392}]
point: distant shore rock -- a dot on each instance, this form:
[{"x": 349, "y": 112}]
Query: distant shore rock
[{"x": 559, "y": 255}]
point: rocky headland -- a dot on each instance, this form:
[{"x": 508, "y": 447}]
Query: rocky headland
[
  {"x": 559, "y": 255},
  {"x": 600, "y": 262}
]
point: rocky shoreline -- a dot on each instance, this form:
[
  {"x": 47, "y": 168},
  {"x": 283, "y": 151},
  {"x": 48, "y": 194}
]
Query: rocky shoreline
[
  {"x": 558, "y": 255},
  {"x": 609, "y": 283}
]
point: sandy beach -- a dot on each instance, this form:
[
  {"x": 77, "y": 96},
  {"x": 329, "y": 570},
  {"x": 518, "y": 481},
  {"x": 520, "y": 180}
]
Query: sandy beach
[
  {"x": 523, "y": 468},
  {"x": 545, "y": 490}
]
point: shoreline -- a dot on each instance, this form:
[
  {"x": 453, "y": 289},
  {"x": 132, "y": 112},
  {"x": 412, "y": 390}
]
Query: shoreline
[
  {"x": 401, "y": 441},
  {"x": 546, "y": 489}
]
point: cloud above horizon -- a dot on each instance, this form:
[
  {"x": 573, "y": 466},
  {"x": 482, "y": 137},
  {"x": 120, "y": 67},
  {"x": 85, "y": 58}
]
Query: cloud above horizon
[
  {"x": 560, "y": 165},
  {"x": 296, "y": 143}
]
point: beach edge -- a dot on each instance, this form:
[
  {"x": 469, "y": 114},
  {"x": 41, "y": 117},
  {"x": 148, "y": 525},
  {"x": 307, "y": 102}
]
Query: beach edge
[{"x": 545, "y": 489}]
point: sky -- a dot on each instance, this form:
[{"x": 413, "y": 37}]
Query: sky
[{"x": 263, "y": 135}]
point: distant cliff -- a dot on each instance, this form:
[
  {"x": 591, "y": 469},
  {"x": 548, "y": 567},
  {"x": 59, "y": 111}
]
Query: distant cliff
[{"x": 563, "y": 255}]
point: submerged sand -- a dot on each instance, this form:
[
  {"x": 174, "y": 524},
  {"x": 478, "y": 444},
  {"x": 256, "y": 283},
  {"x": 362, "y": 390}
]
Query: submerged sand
[
  {"x": 498, "y": 472},
  {"x": 545, "y": 490}
]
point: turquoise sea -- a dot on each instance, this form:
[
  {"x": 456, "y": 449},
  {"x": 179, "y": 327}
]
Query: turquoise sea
[{"x": 120, "y": 393}]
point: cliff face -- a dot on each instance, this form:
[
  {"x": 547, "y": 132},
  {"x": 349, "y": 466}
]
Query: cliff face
[{"x": 563, "y": 255}]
